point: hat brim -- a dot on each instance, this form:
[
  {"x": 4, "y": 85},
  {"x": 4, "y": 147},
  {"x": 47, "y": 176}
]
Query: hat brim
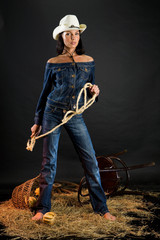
[{"x": 61, "y": 29}]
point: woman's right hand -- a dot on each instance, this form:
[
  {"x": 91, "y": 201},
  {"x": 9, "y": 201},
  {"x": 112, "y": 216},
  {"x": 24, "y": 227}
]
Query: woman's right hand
[{"x": 35, "y": 129}]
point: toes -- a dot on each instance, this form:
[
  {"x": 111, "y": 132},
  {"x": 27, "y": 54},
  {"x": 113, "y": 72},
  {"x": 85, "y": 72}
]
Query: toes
[
  {"x": 38, "y": 217},
  {"x": 108, "y": 216}
]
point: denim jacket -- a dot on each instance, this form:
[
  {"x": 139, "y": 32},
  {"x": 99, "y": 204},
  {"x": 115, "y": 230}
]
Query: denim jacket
[{"x": 62, "y": 84}]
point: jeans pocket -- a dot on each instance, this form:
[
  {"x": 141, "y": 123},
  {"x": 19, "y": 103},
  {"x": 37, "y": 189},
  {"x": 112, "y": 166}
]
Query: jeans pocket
[
  {"x": 60, "y": 73},
  {"x": 84, "y": 73}
]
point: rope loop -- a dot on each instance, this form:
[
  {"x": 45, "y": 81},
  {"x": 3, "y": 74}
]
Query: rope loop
[
  {"x": 69, "y": 114},
  {"x": 30, "y": 144}
]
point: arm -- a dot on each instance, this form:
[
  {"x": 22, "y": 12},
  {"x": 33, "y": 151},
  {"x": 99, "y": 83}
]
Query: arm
[
  {"x": 47, "y": 86},
  {"x": 94, "y": 89}
]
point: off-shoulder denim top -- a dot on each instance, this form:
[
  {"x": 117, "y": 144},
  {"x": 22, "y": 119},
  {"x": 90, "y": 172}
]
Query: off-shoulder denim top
[{"x": 62, "y": 84}]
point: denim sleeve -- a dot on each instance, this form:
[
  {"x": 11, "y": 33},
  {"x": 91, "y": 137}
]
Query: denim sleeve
[
  {"x": 47, "y": 86},
  {"x": 92, "y": 81}
]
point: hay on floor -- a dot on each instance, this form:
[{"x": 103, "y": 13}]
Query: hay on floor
[{"x": 80, "y": 221}]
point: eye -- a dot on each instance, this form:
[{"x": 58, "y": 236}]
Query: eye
[{"x": 77, "y": 33}]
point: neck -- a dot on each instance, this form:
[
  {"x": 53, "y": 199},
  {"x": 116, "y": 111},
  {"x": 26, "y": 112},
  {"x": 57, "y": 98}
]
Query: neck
[{"x": 71, "y": 51}]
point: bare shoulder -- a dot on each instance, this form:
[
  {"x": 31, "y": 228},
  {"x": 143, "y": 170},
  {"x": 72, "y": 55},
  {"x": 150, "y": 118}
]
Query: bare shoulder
[
  {"x": 78, "y": 58},
  {"x": 53, "y": 60},
  {"x": 87, "y": 58}
]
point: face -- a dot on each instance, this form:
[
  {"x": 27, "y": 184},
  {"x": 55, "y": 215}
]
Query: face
[{"x": 71, "y": 38}]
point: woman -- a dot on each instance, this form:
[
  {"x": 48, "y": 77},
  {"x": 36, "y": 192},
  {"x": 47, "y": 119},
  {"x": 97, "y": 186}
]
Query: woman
[{"x": 65, "y": 75}]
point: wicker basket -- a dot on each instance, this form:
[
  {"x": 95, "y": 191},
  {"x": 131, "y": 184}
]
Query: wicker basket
[{"x": 21, "y": 193}]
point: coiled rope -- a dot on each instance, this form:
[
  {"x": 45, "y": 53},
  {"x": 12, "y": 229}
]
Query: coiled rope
[{"x": 69, "y": 114}]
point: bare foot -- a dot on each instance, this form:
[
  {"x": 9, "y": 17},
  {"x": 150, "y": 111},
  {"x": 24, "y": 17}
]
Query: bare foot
[
  {"x": 108, "y": 216},
  {"x": 38, "y": 217}
]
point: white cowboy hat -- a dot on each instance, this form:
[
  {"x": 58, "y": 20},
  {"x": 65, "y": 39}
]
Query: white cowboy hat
[{"x": 69, "y": 22}]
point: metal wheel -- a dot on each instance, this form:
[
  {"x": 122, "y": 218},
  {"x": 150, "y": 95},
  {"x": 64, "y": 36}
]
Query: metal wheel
[
  {"x": 126, "y": 175},
  {"x": 83, "y": 194}
]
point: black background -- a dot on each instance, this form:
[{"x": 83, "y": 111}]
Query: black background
[{"x": 124, "y": 39}]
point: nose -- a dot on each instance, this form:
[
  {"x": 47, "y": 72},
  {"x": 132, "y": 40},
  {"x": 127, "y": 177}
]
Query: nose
[{"x": 72, "y": 36}]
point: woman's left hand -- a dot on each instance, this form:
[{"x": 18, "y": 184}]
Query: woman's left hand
[{"x": 94, "y": 90}]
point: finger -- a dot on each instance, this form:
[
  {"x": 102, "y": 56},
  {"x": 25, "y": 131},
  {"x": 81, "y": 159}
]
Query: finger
[
  {"x": 93, "y": 88},
  {"x": 32, "y": 135},
  {"x": 38, "y": 132}
]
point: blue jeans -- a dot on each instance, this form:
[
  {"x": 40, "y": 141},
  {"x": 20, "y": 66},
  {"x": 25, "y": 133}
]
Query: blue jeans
[{"x": 79, "y": 135}]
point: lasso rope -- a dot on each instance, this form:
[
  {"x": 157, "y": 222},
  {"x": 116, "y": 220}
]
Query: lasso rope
[{"x": 69, "y": 114}]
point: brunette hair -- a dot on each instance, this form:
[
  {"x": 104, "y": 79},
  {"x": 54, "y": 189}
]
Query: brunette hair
[{"x": 60, "y": 46}]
